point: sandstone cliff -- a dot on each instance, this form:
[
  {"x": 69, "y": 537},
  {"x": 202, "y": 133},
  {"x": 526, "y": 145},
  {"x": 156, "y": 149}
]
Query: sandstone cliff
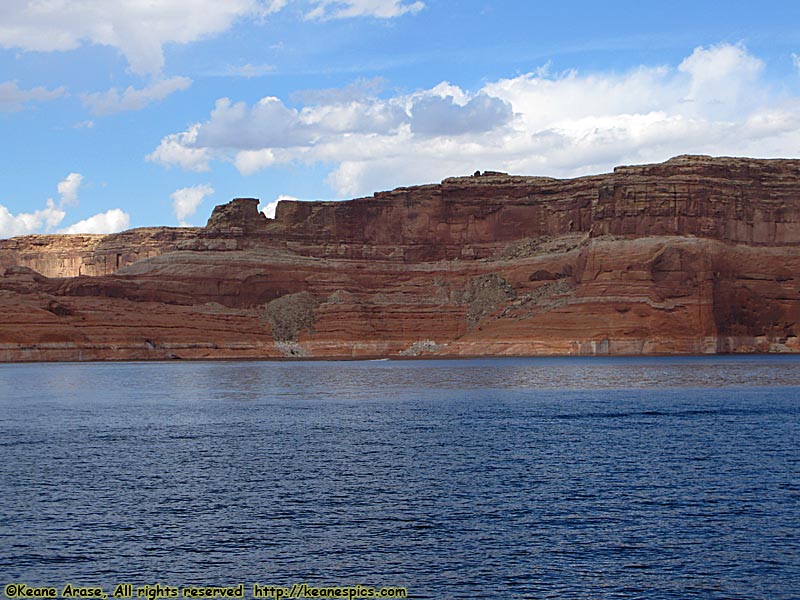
[{"x": 694, "y": 255}]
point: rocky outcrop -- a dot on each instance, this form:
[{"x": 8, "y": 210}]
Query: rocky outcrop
[
  {"x": 728, "y": 199},
  {"x": 694, "y": 255},
  {"x": 238, "y": 217},
  {"x": 92, "y": 255},
  {"x": 734, "y": 200}
]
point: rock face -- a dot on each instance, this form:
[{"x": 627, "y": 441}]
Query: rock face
[
  {"x": 694, "y": 255},
  {"x": 239, "y": 217},
  {"x": 91, "y": 255}
]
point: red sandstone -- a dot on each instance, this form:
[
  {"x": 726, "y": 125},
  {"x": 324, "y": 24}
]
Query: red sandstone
[{"x": 695, "y": 255}]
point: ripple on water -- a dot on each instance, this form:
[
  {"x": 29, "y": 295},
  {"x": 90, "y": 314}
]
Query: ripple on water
[{"x": 545, "y": 478}]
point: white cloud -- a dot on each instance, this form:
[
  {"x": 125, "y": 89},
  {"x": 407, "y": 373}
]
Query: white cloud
[
  {"x": 269, "y": 132},
  {"x": 68, "y": 188},
  {"x": 722, "y": 79},
  {"x": 48, "y": 218},
  {"x": 26, "y": 223},
  {"x": 715, "y": 101},
  {"x": 248, "y": 162},
  {"x": 12, "y": 98},
  {"x": 111, "y": 101},
  {"x": 796, "y": 60},
  {"x": 177, "y": 150},
  {"x": 382, "y": 9},
  {"x": 366, "y": 117},
  {"x": 185, "y": 201},
  {"x": 44, "y": 219},
  {"x": 266, "y": 124},
  {"x": 434, "y": 115},
  {"x": 137, "y": 29},
  {"x": 140, "y": 29},
  {"x": 110, "y": 221},
  {"x": 269, "y": 208}
]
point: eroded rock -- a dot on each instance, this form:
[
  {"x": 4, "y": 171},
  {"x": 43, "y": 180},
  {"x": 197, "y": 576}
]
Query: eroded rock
[
  {"x": 291, "y": 314},
  {"x": 483, "y": 295},
  {"x": 694, "y": 255}
]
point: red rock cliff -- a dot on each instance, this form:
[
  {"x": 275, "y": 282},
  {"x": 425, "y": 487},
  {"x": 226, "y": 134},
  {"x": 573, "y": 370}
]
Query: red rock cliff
[{"x": 694, "y": 255}]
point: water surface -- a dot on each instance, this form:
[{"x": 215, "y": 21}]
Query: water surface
[{"x": 507, "y": 478}]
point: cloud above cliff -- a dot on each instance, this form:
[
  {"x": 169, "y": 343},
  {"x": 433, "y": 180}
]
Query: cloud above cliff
[
  {"x": 569, "y": 123},
  {"x": 68, "y": 189},
  {"x": 46, "y": 219},
  {"x": 442, "y": 116},
  {"x": 269, "y": 132},
  {"x": 111, "y": 221},
  {"x": 37, "y": 221},
  {"x": 180, "y": 150},
  {"x": 186, "y": 201}
]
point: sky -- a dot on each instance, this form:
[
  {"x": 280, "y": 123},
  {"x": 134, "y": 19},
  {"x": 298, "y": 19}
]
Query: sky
[{"x": 130, "y": 113}]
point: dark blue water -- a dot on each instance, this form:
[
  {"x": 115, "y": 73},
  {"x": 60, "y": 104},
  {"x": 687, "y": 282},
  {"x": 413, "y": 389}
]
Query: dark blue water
[{"x": 519, "y": 478}]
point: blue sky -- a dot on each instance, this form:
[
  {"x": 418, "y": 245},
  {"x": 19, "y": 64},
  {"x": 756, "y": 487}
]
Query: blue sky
[{"x": 126, "y": 113}]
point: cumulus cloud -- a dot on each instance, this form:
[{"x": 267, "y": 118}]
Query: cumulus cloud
[
  {"x": 714, "y": 101},
  {"x": 68, "y": 189},
  {"x": 46, "y": 219},
  {"x": 342, "y": 9},
  {"x": 178, "y": 149},
  {"x": 112, "y": 101},
  {"x": 110, "y": 221},
  {"x": 248, "y": 162},
  {"x": 357, "y": 117},
  {"x": 434, "y": 115},
  {"x": 266, "y": 124},
  {"x": 271, "y": 124},
  {"x": 12, "y": 98},
  {"x": 26, "y": 223},
  {"x": 722, "y": 79},
  {"x": 185, "y": 201},
  {"x": 269, "y": 131}
]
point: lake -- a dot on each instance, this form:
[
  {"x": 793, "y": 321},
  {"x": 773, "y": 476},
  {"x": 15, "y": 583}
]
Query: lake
[{"x": 498, "y": 478}]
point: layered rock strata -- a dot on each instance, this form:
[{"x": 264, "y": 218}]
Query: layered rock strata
[{"x": 694, "y": 255}]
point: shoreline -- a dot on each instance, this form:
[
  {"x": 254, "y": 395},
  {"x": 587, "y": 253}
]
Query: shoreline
[{"x": 385, "y": 358}]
